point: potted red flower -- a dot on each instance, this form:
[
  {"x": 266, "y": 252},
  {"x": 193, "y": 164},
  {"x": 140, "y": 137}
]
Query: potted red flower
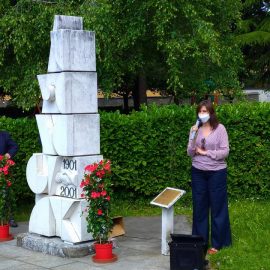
[
  {"x": 6, "y": 197},
  {"x": 96, "y": 186}
]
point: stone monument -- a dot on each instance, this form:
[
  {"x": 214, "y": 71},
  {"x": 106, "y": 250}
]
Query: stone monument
[{"x": 69, "y": 128}]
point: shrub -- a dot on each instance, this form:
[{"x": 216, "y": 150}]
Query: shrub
[
  {"x": 148, "y": 148},
  {"x": 24, "y": 131}
]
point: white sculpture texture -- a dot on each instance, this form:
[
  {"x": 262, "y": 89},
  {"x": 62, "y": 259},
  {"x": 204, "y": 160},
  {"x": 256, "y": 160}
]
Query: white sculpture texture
[{"x": 69, "y": 128}]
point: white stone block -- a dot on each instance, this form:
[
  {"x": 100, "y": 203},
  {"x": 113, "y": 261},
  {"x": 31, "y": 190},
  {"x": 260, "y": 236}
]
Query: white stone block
[
  {"x": 73, "y": 169},
  {"x": 57, "y": 216},
  {"x": 45, "y": 127},
  {"x": 76, "y": 135},
  {"x": 42, "y": 220},
  {"x": 72, "y": 50},
  {"x": 37, "y": 174},
  {"x": 61, "y": 176},
  {"x": 69, "y": 92},
  {"x": 56, "y": 205},
  {"x": 53, "y": 165},
  {"x": 69, "y": 135},
  {"x": 67, "y": 22},
  {"x": 41, "y": 173},
  {"x": 74, "y": 225}
]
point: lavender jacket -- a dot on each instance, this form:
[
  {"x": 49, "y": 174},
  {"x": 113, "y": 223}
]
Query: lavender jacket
[{"x": 217, "y": 147}]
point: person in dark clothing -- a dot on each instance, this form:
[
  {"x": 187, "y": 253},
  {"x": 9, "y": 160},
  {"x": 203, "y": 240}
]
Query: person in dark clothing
[{"x": 8, "y": 148}]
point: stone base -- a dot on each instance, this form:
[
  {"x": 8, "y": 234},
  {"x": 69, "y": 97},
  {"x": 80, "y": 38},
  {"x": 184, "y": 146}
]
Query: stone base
[{"x": 54, "y": 246}]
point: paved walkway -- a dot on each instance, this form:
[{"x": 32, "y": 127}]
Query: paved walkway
[{"x": 138, "y": 249}]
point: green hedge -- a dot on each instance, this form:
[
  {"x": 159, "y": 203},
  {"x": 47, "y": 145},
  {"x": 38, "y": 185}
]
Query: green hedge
[
  {"x": 148, "y": 148},
  {"x": 24, "y": 131},
  {"x": 248, "y": 127}
]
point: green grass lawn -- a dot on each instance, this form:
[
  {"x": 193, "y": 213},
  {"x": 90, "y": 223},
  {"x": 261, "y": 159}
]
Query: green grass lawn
[
  {"x": 144, "y": 208},
  {"x": 250, "y": 223},
  {"x": 251, "y": 236}
]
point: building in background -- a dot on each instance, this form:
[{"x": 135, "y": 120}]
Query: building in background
[{"x": 257, "y": 94}]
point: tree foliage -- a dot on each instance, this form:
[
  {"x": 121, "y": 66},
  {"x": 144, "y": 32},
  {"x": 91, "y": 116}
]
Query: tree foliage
[
  {"x": 254, "y": 38},
  {"x": 25, "y": 41},
  {"x": 179, "y": 46}
]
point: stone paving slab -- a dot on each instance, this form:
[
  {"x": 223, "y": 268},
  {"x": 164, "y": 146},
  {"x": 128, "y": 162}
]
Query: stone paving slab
[{"x": 138, "y": 249}]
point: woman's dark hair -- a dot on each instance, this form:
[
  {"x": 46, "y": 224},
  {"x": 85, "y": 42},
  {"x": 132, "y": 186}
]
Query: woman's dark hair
[{"x": 209, "y": 106}]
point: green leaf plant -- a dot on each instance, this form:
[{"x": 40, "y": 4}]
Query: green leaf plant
[
  {"x": 6, "y": 194},
  {"x": 96, "y": 186}
]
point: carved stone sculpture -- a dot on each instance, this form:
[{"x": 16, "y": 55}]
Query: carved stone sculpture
[{"x": 69, "y": 128}]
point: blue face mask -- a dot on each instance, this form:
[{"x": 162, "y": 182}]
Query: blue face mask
[{"x": 204, "y": 117}]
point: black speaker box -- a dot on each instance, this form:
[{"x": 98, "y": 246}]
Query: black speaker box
[{"x": 187, "y": 252}]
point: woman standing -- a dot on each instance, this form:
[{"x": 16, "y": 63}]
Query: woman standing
[{"x": 208, "y": 150}]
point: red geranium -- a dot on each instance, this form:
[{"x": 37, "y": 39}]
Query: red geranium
[
  {"x": 103, "y": 193},
  {"x": 9, "y": 183},
  {"x": 91, "y": 167},
  {"x": 96, "y": 186},
  {"x": 6, "y": 193}
]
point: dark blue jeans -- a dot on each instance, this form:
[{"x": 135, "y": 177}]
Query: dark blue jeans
[{"x": 209, "y": 194}]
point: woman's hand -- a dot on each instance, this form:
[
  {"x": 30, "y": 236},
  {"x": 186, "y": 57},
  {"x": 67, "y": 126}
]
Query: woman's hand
[
  {"x": 200, "y": 151},
  {"x": 7, "y": 155},
  {"x": 194, "y": 128}
]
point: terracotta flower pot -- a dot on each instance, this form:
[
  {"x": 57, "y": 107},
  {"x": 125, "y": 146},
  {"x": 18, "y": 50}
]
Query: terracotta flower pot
[
  {"x": 104, "y": 253},
  {"x": 4, "y": 233}
]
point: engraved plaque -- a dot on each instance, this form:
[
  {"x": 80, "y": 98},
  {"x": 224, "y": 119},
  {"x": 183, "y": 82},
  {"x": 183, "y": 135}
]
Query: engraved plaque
[{"x": 168, "y": 197}]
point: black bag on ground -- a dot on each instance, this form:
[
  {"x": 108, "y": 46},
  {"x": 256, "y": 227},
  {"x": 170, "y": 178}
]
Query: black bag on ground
[{"x": 187, "y": 252}]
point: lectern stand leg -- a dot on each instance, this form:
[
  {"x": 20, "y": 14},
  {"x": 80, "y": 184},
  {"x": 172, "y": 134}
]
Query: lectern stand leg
[{"x": 167, "y": 229}]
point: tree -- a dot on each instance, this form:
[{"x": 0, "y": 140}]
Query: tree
[
  {"x": 254, "y": 38},
  {"x": 179, "y": 46},
  {"x": 25, "y": 28}
]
